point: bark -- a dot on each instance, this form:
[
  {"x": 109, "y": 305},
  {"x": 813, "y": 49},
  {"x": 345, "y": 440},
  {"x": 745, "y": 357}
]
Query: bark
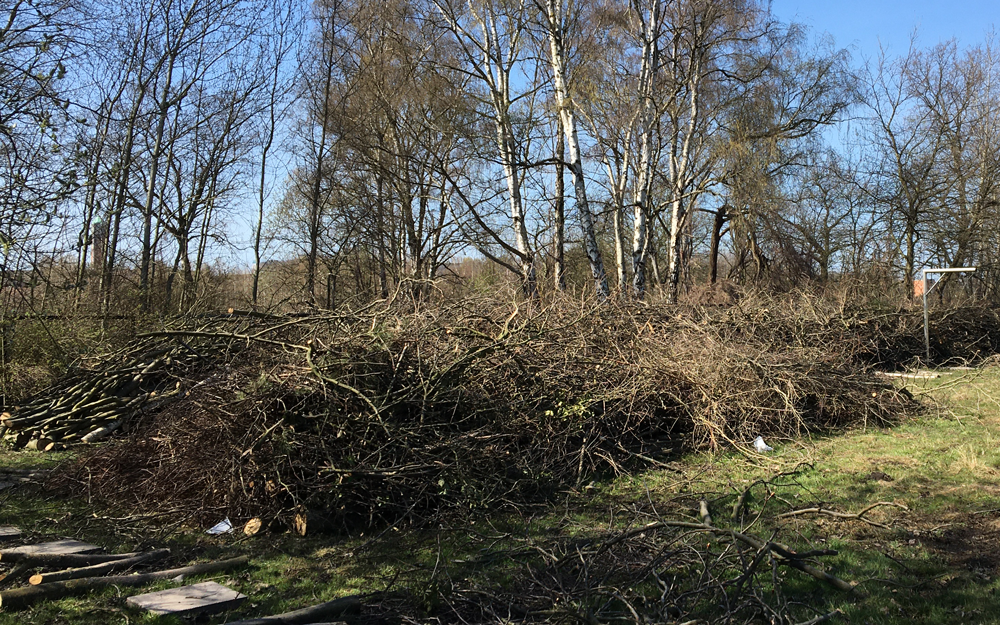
[
  {"x": 508, "y": 155},
  {"x": 65, "y": 559},
  {"x": 713, "y": 256},
  {"x": 680, "y": 164}
]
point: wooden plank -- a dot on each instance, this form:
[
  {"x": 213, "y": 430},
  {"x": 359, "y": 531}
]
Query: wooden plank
[
  {"x": 57, "y": 547},
  {"x": 9, "y": 532},
  {"x": 204, "y": 598}
]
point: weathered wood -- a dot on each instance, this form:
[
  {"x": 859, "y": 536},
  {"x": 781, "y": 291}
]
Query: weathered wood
[
  {"x": 330, "y": 609},
  {"x": 203, "y": 598},
  {"x": 52, "y": 560},
  {"x": 102, "y": 568},
  {"x": 919, "y": 375},
  {"x": 9, "y": 532},
  {"x": 54, "y": 548},
  {"x": 19, "y": 598}
]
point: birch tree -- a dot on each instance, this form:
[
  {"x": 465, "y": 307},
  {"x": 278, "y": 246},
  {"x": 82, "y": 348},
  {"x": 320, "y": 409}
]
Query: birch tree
[
  {"x": 648, "y": 16},
  {"x": 490, "y": 38},
  {"x": 558, "y": 19}
]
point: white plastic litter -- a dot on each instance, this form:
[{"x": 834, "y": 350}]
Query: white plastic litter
[
  {"x": 222, "y": 527},
  {"x": 761, "y": 446}
]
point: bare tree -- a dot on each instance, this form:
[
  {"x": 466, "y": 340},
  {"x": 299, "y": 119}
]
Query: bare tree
[
  {"x": 275, "y": 50},
  {"x": 905, "y": 153}
]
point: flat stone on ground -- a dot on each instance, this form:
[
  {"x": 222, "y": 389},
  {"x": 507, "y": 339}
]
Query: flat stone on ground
[
  {"x": 206, "y": 597},
  {"x": 8, "y": 532},
  {"x": 58, "y": 547}
]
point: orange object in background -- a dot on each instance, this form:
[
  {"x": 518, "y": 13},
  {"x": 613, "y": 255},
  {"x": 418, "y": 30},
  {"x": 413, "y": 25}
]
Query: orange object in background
[{"x": 918, "y": 288}]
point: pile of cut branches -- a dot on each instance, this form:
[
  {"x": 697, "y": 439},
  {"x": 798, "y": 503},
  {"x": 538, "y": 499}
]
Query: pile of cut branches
[
  {"x": 380, "y": 414},
  {"x": 91, "y": 402},
  {"x": 879, "y": 335}
]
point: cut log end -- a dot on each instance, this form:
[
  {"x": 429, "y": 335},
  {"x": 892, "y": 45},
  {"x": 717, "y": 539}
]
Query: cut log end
[
  {"x": 40, "y": 444},
  {"x": 310, "y": 522},
  {"x": 300, "y": 523},
  {"x": 253, "y": 526}
]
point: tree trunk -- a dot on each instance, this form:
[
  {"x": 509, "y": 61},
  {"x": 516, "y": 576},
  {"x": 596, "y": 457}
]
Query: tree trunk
[
  {"x": 644, "y": 175},
  {"x": 559, "y": 236},
  {"x": 713, "y": 255},
  {"x": 556, "y": 28}
]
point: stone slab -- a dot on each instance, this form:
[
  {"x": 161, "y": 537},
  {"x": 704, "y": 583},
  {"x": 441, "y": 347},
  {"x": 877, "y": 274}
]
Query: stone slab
[
  {"x": 9, "y": 532},
  {"x": 205, "y": 598},
  {"x": 57, "y": 547}
]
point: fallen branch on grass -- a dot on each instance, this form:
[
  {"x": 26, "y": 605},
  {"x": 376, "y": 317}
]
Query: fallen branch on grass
[
  {"x": 99, "y": 569},
  {"x": 784, "y": 554},
  {"x": 844, "y": 515},
  {"x": 19, "y": 598},
  {"x": 15, "y": 575},
  {"x": 330, "y": 609}
]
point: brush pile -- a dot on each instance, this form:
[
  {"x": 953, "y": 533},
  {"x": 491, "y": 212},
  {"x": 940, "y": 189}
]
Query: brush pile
[
  {"x": 377, "y": 415},
  {"x": 90, "y": 404}
]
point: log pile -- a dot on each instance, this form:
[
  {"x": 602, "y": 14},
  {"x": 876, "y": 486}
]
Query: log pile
[{"x": 89, "y": 405}]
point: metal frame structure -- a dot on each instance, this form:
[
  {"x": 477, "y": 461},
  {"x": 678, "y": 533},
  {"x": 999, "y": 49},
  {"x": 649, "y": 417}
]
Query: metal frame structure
[{"x": 927, "y": 330}]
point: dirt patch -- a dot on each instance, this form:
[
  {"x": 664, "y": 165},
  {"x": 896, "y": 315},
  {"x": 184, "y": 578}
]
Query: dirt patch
[{"x": 973, "y": 545}]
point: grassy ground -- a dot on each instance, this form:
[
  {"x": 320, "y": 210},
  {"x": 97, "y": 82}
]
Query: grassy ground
[{"x": 931, "y": 557}]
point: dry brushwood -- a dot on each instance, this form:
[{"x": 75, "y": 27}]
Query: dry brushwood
[
  {"x": 380, "y": 414},
  {"x": 664, "y": 571},
  {"x": 844, "y": 516},
  {"x": 666, "y": 567}
]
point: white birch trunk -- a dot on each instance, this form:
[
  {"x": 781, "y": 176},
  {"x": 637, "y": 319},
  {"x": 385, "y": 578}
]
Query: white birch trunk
[
  {"x": 496, "y": 67},
  {"x": 558, "y": 59},
  {"x": 680, "y": 175},
  {"x": 644, "y": 174}
]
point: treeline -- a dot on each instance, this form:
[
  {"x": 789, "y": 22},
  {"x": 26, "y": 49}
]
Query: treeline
[{"x": 151, "y": 148}]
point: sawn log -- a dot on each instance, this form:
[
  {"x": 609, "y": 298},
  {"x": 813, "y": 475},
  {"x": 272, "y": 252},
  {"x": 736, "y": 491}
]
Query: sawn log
[{"x": 23, "y": 597}]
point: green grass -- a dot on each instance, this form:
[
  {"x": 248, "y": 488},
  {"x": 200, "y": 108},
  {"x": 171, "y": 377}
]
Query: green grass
[{"x": 938, "y": 561}]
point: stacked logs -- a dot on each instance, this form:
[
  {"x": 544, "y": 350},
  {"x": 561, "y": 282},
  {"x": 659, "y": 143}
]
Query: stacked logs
[{"x": 89, "y": 406}]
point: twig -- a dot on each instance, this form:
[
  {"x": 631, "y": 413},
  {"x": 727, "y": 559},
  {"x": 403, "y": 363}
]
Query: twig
[{"x": 843, "y": 515}]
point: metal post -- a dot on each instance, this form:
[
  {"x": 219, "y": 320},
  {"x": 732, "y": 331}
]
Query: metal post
[{"x": 927, "y": 330}]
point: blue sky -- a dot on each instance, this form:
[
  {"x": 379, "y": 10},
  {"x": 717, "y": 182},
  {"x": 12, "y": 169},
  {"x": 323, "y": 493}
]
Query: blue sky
[{"x": 862, "y": 24}]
